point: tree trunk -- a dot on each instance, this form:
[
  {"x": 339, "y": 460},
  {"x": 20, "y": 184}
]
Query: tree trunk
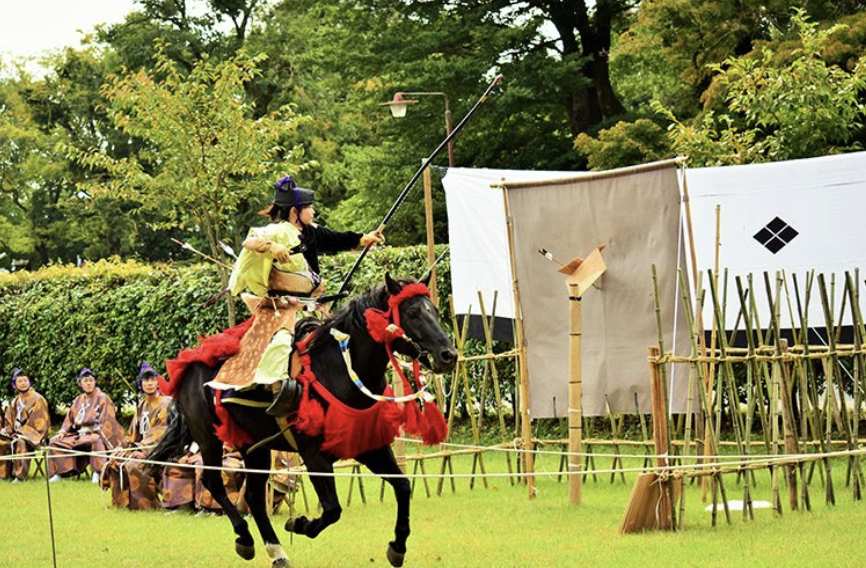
[{"x": 589, "y": 37}]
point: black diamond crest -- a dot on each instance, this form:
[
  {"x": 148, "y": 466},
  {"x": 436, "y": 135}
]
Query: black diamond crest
[{"x": 775, "y": 235}]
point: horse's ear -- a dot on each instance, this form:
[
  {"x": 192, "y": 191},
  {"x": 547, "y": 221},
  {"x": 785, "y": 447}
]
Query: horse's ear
[
  {"x": 393, "y": 286},
  {"x": 425, "y": 280}
]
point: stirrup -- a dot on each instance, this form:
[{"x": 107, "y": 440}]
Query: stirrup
[{"x": 287, "y": 400}]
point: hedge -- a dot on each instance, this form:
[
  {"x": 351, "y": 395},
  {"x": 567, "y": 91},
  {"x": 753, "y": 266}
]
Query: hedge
[{"x": 110, "y": 316}]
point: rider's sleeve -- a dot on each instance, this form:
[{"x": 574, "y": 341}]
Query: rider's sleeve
[{"x": 331, "y": 242}]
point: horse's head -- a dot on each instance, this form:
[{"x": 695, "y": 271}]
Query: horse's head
[{"x": 424, "y": 337}]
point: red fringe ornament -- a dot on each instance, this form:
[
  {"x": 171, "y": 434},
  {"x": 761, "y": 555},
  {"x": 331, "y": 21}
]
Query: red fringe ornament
[
  {"x": 228, "y": 430},
  {"x": 211, "y": 351}
]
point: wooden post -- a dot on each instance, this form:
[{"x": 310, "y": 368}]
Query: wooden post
[
  {"x": 431, "y": 253},
  {"x": 575, "y": 397},
  {"x": 653, "y": 497},
  {"x": 581, "y": 274},
  {"x": 665, "y": 509}
]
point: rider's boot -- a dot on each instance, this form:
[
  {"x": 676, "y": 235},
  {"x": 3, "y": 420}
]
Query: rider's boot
[{"x": 287, "y": 397}]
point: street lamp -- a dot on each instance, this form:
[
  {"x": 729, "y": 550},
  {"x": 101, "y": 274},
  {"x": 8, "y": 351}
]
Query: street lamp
[{"x": 398, "y": 106}]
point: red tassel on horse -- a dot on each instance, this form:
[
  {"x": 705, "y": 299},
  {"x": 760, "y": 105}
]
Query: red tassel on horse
[
  {"x": 311, "y": 416},
  {"x": 435, "y": 428},
  {"x": 413, "y": 424}
]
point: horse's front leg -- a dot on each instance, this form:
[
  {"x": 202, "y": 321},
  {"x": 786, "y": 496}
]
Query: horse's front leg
[
  {"x": 256, "y": 496},
  {"x": 383, "y": 462},
  {"x": 212, "y": 479},
  {"x": 326, "y": 491}
]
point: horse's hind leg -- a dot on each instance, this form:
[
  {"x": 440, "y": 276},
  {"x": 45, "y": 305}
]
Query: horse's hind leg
[
  {"x": 256, "y": 494},
  {"x": 382, "y": 462},
  {"x": 327, "y": 494},
  {"x": 212, "y": 479}
]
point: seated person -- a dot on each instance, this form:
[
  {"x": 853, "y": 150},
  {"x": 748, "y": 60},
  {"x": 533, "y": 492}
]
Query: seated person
[
  {"x": 283, "y": 481},
  {"x": 26, "y": 426},
  {"x": 182, "y": 485},
  {"x": 89, "y": 426},
  {"x": 232, "y": 479},
  {"x": 130, "y": 482}
]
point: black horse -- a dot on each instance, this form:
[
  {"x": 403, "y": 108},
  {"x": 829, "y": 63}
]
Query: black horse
[{"x": 424, "y": 340}]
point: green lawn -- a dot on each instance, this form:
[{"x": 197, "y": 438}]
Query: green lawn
[{"x": 495, "y": 526}]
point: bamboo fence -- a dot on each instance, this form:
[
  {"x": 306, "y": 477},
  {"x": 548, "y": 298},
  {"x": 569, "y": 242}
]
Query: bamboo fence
[{"x": 773, "y": 398}]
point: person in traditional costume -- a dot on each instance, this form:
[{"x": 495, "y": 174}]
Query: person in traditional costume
[
  {"x": 233, "y": 480},
  {"x": 25, "y": 427},
  {"x": 178, "y": 481},
  {"x": 283, "y": 482},
  {"x": 89, "y": 426},
  {"x": 130, "y": 482},
  {"x": 182, "y": 484},
  {"x": 277, "y": 262}
]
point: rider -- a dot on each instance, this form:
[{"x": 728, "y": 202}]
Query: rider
[{"x": 282, "y": 259}]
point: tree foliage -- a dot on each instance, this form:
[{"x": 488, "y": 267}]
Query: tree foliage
[
  {"x": 205, "y": 152},
  {"x": 777, "y": 109},
  {"x": 580, "y": 81}
]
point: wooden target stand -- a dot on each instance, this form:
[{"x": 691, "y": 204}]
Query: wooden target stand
[{"x": 580, "y": 276}]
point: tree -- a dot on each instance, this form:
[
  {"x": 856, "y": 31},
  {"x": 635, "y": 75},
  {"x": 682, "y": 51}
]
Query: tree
[
  {"x": 22, "y": 150},
  {"x": 206, "y": 154},
  {"x": 44, "y": 219},
  {"x": 777, "y": 109},
  {"x": 626, "y": 143},
  {"x": 667, "y": 51},
  {"x": 189, "y": 29},
  {"x": 338, "y": 59}
]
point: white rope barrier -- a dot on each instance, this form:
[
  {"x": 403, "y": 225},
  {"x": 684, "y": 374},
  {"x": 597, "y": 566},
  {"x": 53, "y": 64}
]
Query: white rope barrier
[{"x": 717, "y": 462}]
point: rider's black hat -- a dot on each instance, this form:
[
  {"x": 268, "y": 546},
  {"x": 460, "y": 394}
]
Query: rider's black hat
[{"x": 288, "y": 194}]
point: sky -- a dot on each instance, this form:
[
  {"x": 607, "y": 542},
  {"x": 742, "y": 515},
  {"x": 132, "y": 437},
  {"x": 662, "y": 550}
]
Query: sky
[{"x": 33, "y": 27}]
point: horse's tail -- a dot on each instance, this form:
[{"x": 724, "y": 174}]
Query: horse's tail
[{"x": 175, "y": 440}]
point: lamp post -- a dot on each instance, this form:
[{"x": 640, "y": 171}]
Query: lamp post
[{"x": 398, "y": 106}]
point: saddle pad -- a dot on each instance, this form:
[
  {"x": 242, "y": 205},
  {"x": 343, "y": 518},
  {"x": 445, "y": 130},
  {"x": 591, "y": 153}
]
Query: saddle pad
[{"x": 238, "y": 371}]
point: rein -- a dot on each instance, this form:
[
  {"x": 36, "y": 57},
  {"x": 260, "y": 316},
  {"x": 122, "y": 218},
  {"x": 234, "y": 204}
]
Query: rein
[{"x": 343, "y": 340}]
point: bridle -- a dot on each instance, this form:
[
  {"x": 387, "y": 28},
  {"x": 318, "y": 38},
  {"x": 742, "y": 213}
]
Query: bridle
[{"x": 384, "y": 327}]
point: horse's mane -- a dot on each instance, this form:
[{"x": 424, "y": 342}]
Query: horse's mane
[{"x": 350, "y": 317}]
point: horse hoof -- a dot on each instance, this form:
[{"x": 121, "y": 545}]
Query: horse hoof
[
  {"x": 296, "y": 525},
  {"x": 394, "y": 557},
  {"x": 245, "y": 551},
  {"x": 281, "y": 563}
]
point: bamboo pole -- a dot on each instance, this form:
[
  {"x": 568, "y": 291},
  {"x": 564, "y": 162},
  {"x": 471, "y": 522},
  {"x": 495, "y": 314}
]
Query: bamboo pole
[
  {"x": 491, "y": 361},
  {"x": 702, "y": 393},
  {"x": 859, "y": 375},
  {"x": 526, "y": 418},
  {"x": 727, "y": 376},
  {"x": 700, "y": 419},
  {"x": 575, "y": 396}
]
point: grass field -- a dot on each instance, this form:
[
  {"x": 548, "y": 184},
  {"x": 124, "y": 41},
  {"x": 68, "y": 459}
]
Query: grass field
[{"x": 491, "y": 527}]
